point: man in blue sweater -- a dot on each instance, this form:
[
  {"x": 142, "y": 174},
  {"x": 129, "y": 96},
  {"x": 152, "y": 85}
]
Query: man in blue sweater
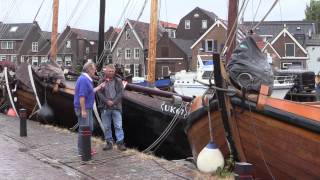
[{"x": 84, "y": 98}]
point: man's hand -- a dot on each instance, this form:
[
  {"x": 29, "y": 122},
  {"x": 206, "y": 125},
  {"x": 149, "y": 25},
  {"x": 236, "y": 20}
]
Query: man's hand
[
  {"x": 109, "y": 103},
  {"x": 84, "y": 114}
]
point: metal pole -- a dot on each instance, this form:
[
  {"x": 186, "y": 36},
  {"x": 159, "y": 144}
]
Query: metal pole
[
  {"x": 85, "y": 145},
  {"x": 23, "y": 122}
]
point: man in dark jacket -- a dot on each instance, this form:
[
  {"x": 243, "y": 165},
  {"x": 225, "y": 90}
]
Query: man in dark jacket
[{"x": 111, "y": 96}]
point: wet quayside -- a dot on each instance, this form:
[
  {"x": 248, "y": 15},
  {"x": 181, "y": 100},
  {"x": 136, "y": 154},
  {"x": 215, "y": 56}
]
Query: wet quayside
[{"x": 50, "y": 153}]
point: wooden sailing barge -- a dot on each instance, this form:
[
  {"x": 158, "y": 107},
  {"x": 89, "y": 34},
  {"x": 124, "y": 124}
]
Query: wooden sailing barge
[{"x": 280, "y": 138}]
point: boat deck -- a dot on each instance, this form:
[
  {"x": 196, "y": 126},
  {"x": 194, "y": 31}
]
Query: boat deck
[{"x": 50, "y": 152}]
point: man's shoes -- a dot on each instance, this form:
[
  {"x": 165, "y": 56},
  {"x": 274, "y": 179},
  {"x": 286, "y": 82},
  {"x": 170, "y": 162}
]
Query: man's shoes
[
  {"x": 108, "y": 146},
  {"x": 121, "y": 146}
]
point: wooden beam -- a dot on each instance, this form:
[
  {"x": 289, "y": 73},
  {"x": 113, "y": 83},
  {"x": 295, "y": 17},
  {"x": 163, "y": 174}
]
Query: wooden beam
[
  {"x": 153, "y": 31},
  {"x": 54, "y": 33}
]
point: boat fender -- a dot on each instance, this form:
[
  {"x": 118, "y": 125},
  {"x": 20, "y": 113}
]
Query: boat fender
[
  {"x": 210, "y": 158},
  {"x": 45, "y": 113}
]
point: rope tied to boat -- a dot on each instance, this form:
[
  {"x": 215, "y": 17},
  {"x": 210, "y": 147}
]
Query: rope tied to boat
[{"x": 157, "y": 143}]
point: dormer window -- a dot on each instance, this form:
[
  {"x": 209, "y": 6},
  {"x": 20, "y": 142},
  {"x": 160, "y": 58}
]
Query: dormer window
[
  {"x": 298, "y": 28},
  {"x": 13, "y": 29},
  {"x": 187, "y": 24},
  {"x": 204, "y": 24},
  {"x": 34, "y": 46}
]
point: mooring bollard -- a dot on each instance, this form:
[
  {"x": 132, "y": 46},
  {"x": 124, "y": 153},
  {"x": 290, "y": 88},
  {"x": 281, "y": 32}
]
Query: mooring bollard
[
  {"x": 23, "y": 122},
  {"x": 85, "y": 144}
]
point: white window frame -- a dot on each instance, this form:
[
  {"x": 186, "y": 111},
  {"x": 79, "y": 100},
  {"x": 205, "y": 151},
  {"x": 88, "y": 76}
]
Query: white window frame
[
  {"x": 135, "y": 70},
  {"x": 204, "y": 24},
  {"x": 14, "y": 58},
  {"x": 127, "y": 53},
  {"x": 59, "y": 60},
  {"x": 294, "y": 49},
  {"x": 68, "y": 44},
  {"x": 136, "y": 53},
  {"x": 34, "y": 47},
  {"x": 35, "y": 61},
  {"x": 43, "y": 59},
  {"x": 87, "y": 50},
  {"x": 127, "y": 68},
  {"x": 187, "y": 24},
  {"x": 3, "y": 58},
  {"x": 6, "y": 44},
  {"x": 162, "y": 68},
  {"x": 118, "y": 52},
  {"x": 107, "y": 45},
  {"x": 206, "y": 45},
  {"x": 67, "y": 61}
]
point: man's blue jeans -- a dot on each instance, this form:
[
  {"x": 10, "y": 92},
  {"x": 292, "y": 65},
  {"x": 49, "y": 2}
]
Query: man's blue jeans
[
  {"x": 107, "y": 116},
  {"x": 83, "y": 122}
]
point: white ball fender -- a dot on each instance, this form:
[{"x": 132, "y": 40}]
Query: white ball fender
[{"x": 210, "y": 158}]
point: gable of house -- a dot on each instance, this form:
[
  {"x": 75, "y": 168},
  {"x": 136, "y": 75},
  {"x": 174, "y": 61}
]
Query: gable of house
[
  {"x": 195, "y": 23},
  {"x": 288, "y": 47}
]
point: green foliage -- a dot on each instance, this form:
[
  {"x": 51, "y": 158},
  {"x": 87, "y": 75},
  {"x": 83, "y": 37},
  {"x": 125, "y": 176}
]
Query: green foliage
[
  {"x": 226, "y": 171},
  {"x": 78, "y": 68},
  {"x": 312, "y": 12}
]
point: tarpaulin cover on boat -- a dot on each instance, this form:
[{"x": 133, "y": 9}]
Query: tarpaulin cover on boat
[{"x": 248, "y": 60}]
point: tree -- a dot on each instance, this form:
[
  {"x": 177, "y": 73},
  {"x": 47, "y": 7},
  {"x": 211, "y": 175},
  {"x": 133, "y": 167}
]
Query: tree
[{"x": 312, "y": 12}]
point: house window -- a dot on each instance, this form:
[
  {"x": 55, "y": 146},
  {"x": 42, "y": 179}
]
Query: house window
[
  {"x": 136, "y": 70},
  {"x": 68, "y": 44},
  {"x": 87, "y": 50},
  {"x": 14, "y": 59},
  {"x": 204, "y": 24},
  {"x": 67, "y": 61},
  {"x": 107, "y": 45},
  {"x": 44, "y": 59},
  {"x": 136, "y": 53},
  {"x": 3, "y": 58},
  {"x": 127, "y": 68},
  {"x": 7, "y": 45},
  {"x": 165, "y": 71},
  {"x": 118, "y": 52},
  {"x": 187, "y": 24},
  {"x": 59, "y": 60},
  {"x": 209, "y": 45},
  {"x": 13, "y": 29},
  {"x": 290, "y": 49},
  {"x": 127, "y": 34},
  {"x": 128, "y": 54},
  {"x": 35, "y": 61},
  {"x": 34, "y": 46},
  {"x": 171, "y": 33}
]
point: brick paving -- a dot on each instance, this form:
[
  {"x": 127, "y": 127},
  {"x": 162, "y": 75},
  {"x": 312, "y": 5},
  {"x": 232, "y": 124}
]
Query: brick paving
[{"x": 50, "y": 153}]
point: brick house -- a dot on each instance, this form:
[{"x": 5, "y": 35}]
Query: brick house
[
  {"x": 23, "y": 42},
  {"x": 286, "y": 51},
  {"x": 195, "y": 23},
  {"x": 173, "y": 55},
  {"x": 76, "y": 46},
  {"x": 131, "y": 46},
  {"x": 110, "y": 37},
  {"x": 213, "y": 40}
]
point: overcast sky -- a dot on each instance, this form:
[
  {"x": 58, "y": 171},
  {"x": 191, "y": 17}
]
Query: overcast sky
[{"x": 86, "y": 14}]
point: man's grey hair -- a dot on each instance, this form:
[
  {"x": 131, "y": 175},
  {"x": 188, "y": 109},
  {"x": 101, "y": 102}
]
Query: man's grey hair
[{"x": 87, "y": 65}]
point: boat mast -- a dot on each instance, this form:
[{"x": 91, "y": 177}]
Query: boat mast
[
  {"x": 153, "y": 31},
  {"x": 232, "y": 21},
  {"x": 101, "y": 32},
  {"x": 54, "y": 33}
]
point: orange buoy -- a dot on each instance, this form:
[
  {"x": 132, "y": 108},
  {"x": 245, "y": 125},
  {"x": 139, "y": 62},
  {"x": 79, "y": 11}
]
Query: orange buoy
[{"x": 11, "y": 112}]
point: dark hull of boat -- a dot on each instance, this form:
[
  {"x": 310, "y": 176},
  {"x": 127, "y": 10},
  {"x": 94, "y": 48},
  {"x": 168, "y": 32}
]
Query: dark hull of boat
[
  {"x": 275, "y": 142},
  {"x": 26, "y": 100},
  {"x": 144, "y": 122},
  {"x": 61, "y": 102}
]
